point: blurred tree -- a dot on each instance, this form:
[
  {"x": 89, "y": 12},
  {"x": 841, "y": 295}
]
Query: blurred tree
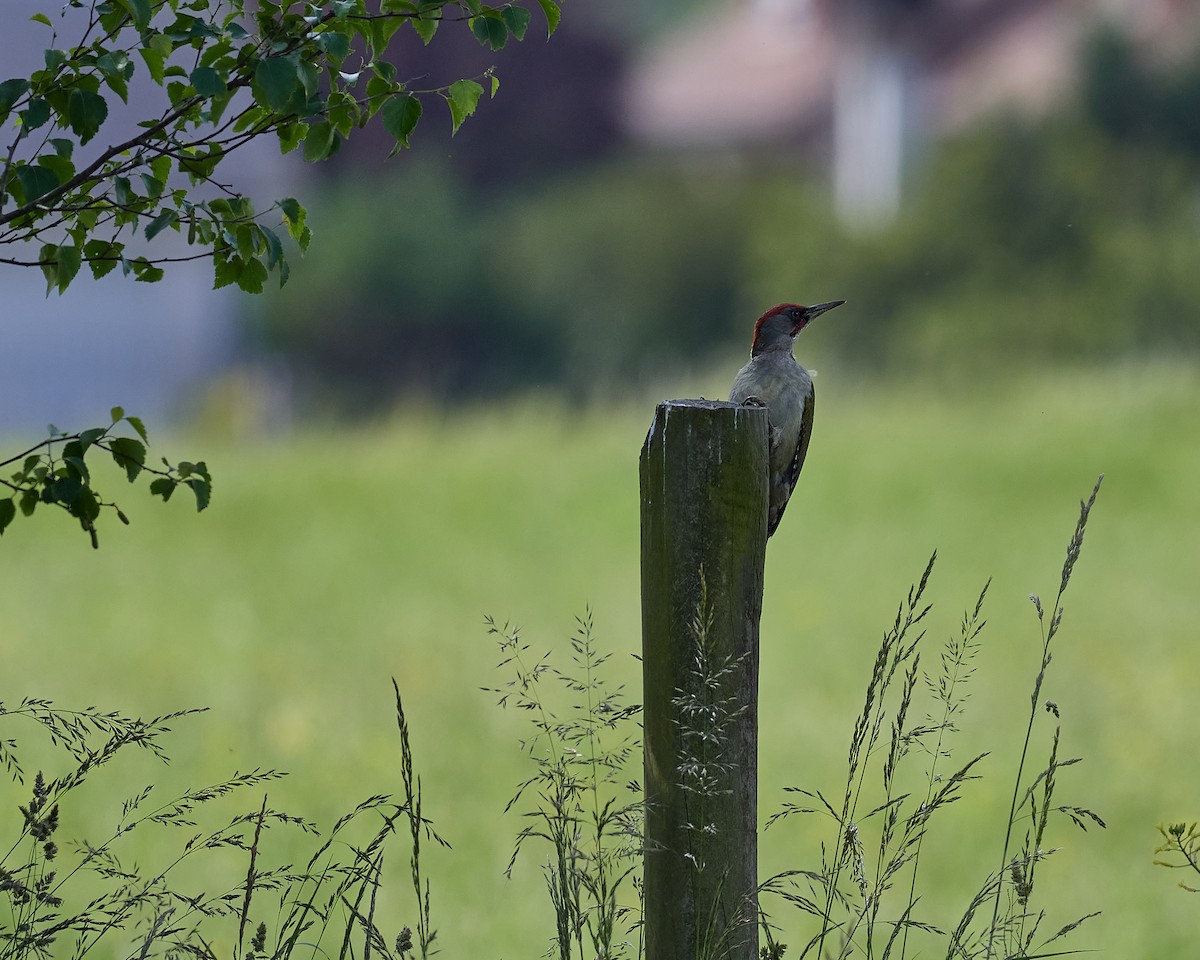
[
  {"x": 400, "y": 297},
  {"x": 1131, "y": 102},
  {"x": 581, "y": 283},
  {"x": 629, "y": 272},
  {"x": 1022, "y": 243}
]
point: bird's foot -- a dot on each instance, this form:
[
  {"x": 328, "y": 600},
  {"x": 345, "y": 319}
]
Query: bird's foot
[{"x": 774, "y": 434}]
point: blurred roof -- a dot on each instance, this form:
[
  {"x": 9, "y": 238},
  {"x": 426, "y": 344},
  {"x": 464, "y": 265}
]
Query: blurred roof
[{"x": 765, "y": 70}]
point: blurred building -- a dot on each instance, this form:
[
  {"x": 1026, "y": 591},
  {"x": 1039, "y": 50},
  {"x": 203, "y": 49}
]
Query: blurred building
[{"x": 862, "y": 84}]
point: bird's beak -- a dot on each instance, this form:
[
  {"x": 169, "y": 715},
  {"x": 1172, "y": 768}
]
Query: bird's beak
[{"x": 811, "y": 313}]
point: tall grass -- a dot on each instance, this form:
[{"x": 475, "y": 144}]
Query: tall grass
[
  {"x": 1180, "y": 840},
  {"x": 578, "y": 800},
  {"x": 864, "y": 894},
  {"x": 86, "y": 898},
  {"x": 1019, "y": 926}
]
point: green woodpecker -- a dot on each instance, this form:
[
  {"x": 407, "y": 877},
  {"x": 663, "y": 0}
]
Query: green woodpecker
[{"x": 775, "y": 380}]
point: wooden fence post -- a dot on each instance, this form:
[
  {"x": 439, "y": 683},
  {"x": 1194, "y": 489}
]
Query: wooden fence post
[{"x": 704, "y": 536}]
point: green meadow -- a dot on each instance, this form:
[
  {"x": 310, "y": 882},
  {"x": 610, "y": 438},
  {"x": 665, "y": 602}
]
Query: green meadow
[{"x": 337, "y": 558}]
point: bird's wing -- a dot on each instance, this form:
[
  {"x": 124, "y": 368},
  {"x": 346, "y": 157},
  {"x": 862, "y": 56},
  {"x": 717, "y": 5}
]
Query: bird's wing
[{"x": 806, "y": 422}]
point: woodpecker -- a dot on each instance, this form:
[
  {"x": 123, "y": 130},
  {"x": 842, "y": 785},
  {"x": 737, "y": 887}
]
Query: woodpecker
[{"x": 775, "y": 380}]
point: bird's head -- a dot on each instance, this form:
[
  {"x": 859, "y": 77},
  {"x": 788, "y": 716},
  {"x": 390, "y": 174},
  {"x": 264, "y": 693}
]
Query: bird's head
[{"x": 778, "y": 327}]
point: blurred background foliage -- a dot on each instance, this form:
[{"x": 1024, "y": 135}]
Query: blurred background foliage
[{"x": 586, "y": 265}]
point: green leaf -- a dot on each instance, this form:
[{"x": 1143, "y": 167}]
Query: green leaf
[
  {"x": 295, "y": 216},
  {"x": 122, "y": 191},
  {"x": 154, "y": 61},
  {"x": 167, "y": 218},
  {"x": 129, "y": 454},
  {"x": 275, "y": 80},
  {"x": 379, "y": 91},
  {"x": 116, "y": 69},
  {"x": 335, "y": 44},
  {"x": 86, "y": 219},
  {"x": 136, "y": 423},
  {"x": 146, "y": 272},
  {"x": 90, "y": 436},
  {"x": 8, "y": 510},
  {"x": 139, "y": 10},
  {"x": 69, "y": 262},
  {"x": 10, "y": 92},
  {"x": 292, "y": 210},
  {"x": 226, "y": 269},
  {"x": 62, "y": 490},
  {"x": 203, "y": 491},
  {"x": 102, "y": 256},
  {"x": 246, "y": 240},
  {"x": 86, "y": 111},
  {"x": 29, "y": 501},
  {"x": 553, "y": 15},
  {"x": 84, "y": 505},
  {"x": 320, "y": 141},
  {"x": 379, "y": 32},
  {"x": 291, "y": 135},
  {"x": 248, "y": 118},
  {"x": 36, "y": 114},
  {"x": 490, "y": 31},
  {"x": 426, "y": 27},
  {"x": 274, "y": 247},
  {"x": 310, "y": 77},
  {"x": 35, "y": 182},
  {"x": 207, "y": 81},
  {"x": 517, "y": 20},
  {"x": 400, "y": 115},
  {"x": 48, "y": 261},
  {"x": 162, "y": 487},
  {"x": 63, "y": 168},
  {"x": 463, "y": 97},
  {"x": 385, "y": 71},
  {"x": 160, "y": 166},
  {"x": 72, "y": 458},
  {"x": 344, "y": 114},
  {"x": 252, "y": 277},
  {"x": 117, "y": 414},
  {"x": 42, "y": 18},
  {"x": 154, "y": 186},
  {"x": 298, "y": 225}
]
